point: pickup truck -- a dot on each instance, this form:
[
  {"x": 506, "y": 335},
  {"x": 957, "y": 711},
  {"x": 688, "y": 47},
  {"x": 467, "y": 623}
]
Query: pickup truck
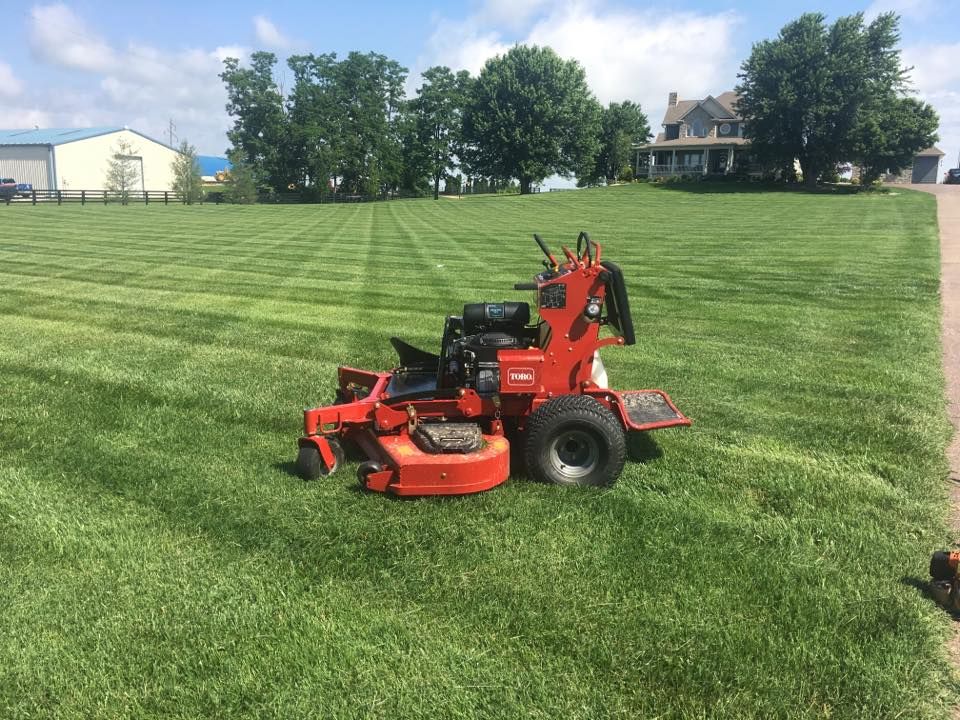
[
  {"x": 24, "y": 189},
  {"x": 8, "y": 188}
]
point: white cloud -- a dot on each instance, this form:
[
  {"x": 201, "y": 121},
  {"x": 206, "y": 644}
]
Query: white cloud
[
  {"x": 461, "y": 46},
  {"x": 10, "y": 86},
  {"x": 269, "y": 35},
  {"x": 907, "y": 9},
  {"x": 234, "y": 51},
  {"x": 509, "y": 14},
  {"x": 138, "y": 85},
  {"x": 935, "y": 67},
  {"x": 936, "y": 78},
  {"x": 59, "y": 36},
  {"x": 15, "y": 116},
  {"x": 640, "y": 55}
]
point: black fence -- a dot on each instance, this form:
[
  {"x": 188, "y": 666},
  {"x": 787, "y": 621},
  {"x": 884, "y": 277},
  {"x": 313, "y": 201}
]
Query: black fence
[
  {"x": 211, "y": 197},
  {"x": 93, "y": 197}
]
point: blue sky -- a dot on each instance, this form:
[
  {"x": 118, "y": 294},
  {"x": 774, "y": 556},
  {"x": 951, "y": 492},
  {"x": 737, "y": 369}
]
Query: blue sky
[{"x": 102, "y": 63}]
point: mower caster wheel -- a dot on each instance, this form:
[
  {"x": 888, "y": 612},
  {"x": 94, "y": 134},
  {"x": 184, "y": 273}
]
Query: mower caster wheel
[
  {"x": 574, "y": 440},
  {"x": 365, "y": 469},
  {"x": 310, "y": 465}
]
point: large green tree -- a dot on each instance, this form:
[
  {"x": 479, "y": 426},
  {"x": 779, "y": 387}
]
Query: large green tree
[
  {"x": 808, "y": 94},
  {"x": 339, "y": 125},
  {"x": 368, "y": 92},
  {"x": 316, "y": 140},
  {"x": 437, "y": 114},
  {"x": 260, "y": 131},
  {"x": 622, "y": 125},
  {"x": 530, "y": 114},
  {"x": 887, "y": 140}
]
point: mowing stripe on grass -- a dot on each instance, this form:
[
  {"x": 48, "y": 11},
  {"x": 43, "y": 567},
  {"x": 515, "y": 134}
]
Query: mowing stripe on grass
[{"x": 157, "y": 556}]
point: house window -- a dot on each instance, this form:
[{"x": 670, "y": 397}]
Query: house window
[
  {"x": 690, "y": 159},
  {"x": 724, "y": 128},
  {"x": 696, "y": 128}
]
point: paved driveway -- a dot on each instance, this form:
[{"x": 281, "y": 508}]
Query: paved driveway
[{"x": 948, "y": 215}]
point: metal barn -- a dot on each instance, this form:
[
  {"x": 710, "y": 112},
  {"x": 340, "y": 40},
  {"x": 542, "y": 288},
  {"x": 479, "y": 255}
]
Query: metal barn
[{"x": 77, "y": 158}]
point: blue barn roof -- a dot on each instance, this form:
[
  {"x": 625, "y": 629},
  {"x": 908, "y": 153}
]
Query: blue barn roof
[
  {"x": 59, "y": 136},
  {"x": 211, "y": 164}
]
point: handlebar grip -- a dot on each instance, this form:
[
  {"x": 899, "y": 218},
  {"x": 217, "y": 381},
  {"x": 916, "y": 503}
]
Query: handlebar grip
[{"x": 525, "y": 286}]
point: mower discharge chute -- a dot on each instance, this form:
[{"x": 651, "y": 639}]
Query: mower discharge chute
[{"x": 439, "y": 424}]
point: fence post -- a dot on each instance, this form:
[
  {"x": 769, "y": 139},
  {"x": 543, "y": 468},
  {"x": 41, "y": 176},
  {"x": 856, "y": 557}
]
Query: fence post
[
  {"x": 33, "y": 196},
  {"x": 104, "y": 197},
  {"x": 146, "y": 198},
  {"x": 83, "y": 198},
  {"x": 166, "y": 199},
  {"x": 59, "y": 198}
]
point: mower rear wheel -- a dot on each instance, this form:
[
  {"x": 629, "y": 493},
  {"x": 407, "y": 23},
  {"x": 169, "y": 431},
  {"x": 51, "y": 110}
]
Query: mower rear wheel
[
  {"x": 310, "y": 465},
  {"x": 574, "y": 440}
]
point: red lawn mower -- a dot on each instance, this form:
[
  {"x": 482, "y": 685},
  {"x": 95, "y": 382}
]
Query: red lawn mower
[{"x": 439, "y": 424}]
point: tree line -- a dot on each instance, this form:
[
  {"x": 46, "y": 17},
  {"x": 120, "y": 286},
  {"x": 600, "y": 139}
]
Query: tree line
[
  {"x": 823, "y": 95},
  {"x": 344, "y": 125},
  {"x": 818, "y": 94}
]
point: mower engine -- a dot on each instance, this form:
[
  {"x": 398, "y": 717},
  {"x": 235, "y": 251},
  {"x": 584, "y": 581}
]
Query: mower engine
[
  {"x": 437, "y": 423},
  {"x": 472, "y": 342}
]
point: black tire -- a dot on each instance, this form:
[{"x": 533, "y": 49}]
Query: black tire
[
  {"x": 310, "y": 465},
  {"x": 574, "y": 440},
  {"x": 364, "y": 470}
]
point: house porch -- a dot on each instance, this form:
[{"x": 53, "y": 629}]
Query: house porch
[{"x": 713, "y": 160}]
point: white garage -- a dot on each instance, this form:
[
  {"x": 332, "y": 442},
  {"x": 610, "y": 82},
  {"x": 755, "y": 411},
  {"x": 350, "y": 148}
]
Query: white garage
[{"x": 78, "y": 158}]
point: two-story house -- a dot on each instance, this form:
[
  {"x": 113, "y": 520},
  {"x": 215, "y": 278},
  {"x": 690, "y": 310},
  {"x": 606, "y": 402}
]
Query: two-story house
[{"x": 699, "y": 137}]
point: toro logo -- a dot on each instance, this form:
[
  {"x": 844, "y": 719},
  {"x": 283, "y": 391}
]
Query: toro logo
[{"x": 521, "y": 376}]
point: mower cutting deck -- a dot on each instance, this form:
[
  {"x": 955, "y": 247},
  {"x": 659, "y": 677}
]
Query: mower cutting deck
[{"x": 438, "y": 423}]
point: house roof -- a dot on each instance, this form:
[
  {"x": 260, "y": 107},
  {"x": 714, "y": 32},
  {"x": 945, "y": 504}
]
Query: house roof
[
  {"x": 59, "y": 136},
  {"x": 932, "y": 151},
  {"x": 691, "y": 142},
  {"x": 211, "y": 164},
  {"x": 677, "y": 111},
  {"x": 727, "y": 100}
]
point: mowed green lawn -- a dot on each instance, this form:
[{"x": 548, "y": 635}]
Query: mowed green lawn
[{"x": 157, "y": 557}]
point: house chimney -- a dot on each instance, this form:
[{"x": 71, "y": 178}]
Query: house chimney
[{"x": 672, "y": 100}]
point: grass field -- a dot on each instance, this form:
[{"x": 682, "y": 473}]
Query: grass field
[{"x": 158, "y": 558}]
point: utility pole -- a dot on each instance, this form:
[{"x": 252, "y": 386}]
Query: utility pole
[{"x": 171, "y": 132}]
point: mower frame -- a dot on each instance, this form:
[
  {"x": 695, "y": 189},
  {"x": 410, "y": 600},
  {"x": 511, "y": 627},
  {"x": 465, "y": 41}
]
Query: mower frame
[{"x": 571, "y": 298}]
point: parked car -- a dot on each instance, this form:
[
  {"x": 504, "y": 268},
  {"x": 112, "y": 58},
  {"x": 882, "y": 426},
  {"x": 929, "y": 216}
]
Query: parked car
[
  {"x": 24, "y": 189},
  {"x": 952, "y": 176},
  {"x": 8, "y": 188}
]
